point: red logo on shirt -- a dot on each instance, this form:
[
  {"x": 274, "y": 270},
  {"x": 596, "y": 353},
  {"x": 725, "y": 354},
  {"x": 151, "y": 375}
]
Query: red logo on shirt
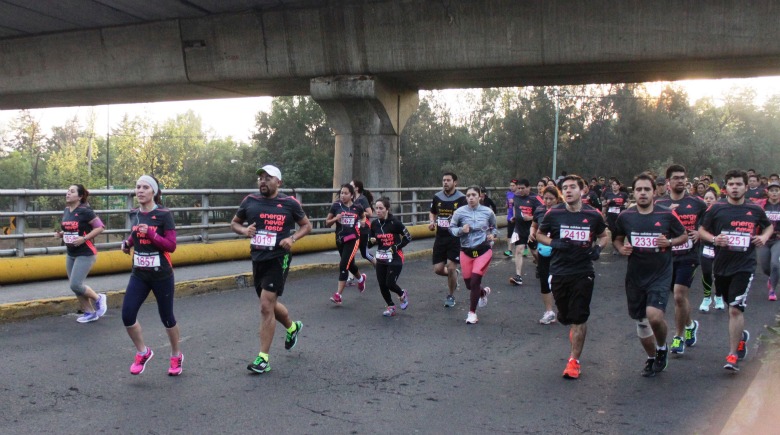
[
  {"x": 584, "y": 221},
  {"x": 658, "y": 224},
  {"x": 76, "y": 214},
  {"x": 749, "y": 214},
  {"x": 279, "y": 205},
  {"x": 154, "y": 217},
  {"x": 689, "y": 206}
]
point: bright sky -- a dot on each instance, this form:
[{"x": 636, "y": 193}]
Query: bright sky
[{"x": 236, "y": 117}]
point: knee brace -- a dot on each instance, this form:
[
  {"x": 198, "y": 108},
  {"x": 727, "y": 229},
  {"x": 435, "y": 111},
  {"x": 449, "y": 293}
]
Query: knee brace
[{"x": 643, "y": 329}]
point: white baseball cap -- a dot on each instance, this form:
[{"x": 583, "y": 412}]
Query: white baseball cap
[{"x": 271, "y": 170}]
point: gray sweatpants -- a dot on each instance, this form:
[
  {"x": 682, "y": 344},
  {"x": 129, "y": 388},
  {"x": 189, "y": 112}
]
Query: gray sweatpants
[
  {"x": 78, "y": 269},
  {"x": 769, "y": 259}
]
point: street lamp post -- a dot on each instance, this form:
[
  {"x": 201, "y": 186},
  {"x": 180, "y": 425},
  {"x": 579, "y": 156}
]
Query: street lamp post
[{"x": 555, "y": 137}]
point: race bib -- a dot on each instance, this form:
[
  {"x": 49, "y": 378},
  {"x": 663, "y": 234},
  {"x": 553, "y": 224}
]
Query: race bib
[
  {"x": 264, "y": 240},
  {"x": 708, "y": 252},
  {"x": 384, "y": 255},
  {"x": 644, "y": 241},
  {"x": 146, "y": 260},
  {"x": 576, "y": 234},
  {"x": 348, "y": 220},
  {"x": 773, "y": 216},
  {"x": 684, "y": 247},
  {"x": 613, "y": 210},
  {"x": 738, "y": 242},
  {"x": 70, "y": 238},
  {"x": 443, "y": 222}
]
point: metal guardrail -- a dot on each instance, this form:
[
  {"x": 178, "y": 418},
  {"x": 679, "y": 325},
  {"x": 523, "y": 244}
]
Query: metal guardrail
[{"x": 187, "y": 206}]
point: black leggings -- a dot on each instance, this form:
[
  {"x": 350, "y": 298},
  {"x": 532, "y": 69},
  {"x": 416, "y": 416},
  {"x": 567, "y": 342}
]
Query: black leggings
[
  {"x": 706, "y": 277},
  {"x": 543, "y": 266},
  {"x": 387, "y": 275},
  {"x": 347, "y": 251},
  {"x": 137, "y": 292}
]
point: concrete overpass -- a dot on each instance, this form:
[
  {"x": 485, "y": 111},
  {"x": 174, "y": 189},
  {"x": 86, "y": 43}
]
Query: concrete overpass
[{"x": 364, "y": 61}]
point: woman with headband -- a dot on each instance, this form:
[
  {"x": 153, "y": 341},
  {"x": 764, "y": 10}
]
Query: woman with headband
[
  {"x": 153, "y": 238},
  {"x": 79, "y": 227}
]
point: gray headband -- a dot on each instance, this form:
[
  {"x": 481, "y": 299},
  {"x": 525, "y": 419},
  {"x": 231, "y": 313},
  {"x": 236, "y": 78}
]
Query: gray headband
[{"x": 150, "y": 181}]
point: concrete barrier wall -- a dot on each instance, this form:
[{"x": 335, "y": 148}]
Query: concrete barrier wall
[{"x": 40, "y": 268}]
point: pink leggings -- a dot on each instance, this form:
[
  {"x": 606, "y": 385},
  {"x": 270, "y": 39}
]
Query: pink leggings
[{"x": 473, "y": 269}]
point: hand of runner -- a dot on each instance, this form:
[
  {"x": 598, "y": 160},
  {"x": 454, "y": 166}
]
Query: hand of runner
[
  {"x": 143, "y": 228},
  {"x": 125, "y": 248},
  {"x": 561, "y": 244},
  {"x": 627, "y": 249},
  {"x": 465, "y": 229},
  {"x": 758, "y": 241},
  {"x": 251, "y": 230},
  {"x": 663, "y": 242},
  {"x": 720, "y": 240},
  {"x": 372, "y": 240},
  {"x": 595, "y": 252},
  {"x": 58, "y": 234},
  {"x": 694, "y": 236},
  {"x": 286, "y": 243},
  {"x": 431, "y": 226}
]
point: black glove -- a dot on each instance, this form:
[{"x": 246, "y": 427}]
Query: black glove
[
  {"x": 561, "y": 244},
  {"x": 595, "y": 252}
]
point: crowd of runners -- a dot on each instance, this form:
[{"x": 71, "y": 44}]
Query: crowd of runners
[{"x": 667, "y": 225}]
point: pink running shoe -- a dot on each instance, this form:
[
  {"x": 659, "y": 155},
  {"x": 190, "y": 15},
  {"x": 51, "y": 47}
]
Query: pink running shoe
[
  {"x": 336, "y": 298},
  {"x": 175, "y": 369},
  {"x": 772, "y": 295},
  {"x": 362, "y": 284},
  {"x": 139, "y": 364}
]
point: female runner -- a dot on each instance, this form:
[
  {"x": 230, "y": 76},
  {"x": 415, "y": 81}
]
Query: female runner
[
  {"x": 475, "y": 225},
  {"x": 79, "y": 227},
  {"x": 706, "y": 260},
  {"x": 550, "y": 197},
  {"x": 615, "y": 201},
  {"x": 769, "y": 254},
  {"x": 390, "y": 236},
  {"x": 347, "y": 216},
  {"x": 153, "y": 239}
]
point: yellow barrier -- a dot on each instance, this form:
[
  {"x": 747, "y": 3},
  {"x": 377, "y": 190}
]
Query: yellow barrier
[{"x": 41, "y": 268}]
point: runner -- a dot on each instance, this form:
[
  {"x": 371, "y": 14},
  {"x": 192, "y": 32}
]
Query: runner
[
  {"x": 769, "y": 255},
  {"x": 660, "y": 187},
  {"x": 755, "y": 192},
  {"x": 615, "y": 201},
  {"x": 347, "y": 216},
  {"x": 653, "y": 232},
  {"x": 364, "y": 199},
  {"x": 733, "y": 227},
  {"x": 510, "y": 219},
  {"x": 391, "y": 236},
  {"x": 485, "y": 200},
  {"x": 591, "y": 198},
  {"x": 525, "y": 204},
  {"x": 271, "y": 217},
  {"x": 446, "y": 247},
  {"x": 690, "y": 209},
  {"x": 706, "y": 259},
  {"x": 551, "y": 197},
  {"x": 475, "y": 225},
  {"x": 153, "y": 239},
  {"x": 80, "y": 225},
  {"x": 577, "y": 235}
]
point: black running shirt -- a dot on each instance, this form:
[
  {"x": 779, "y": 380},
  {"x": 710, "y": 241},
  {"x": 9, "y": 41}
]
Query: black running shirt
[
  {"x": 348, "y": 227},
  {"x": 690, "y": 209},
  {"x": 739, "y": 223},
  {"x": 149, "y": 261},
  {"x": 615, "y": 202},
  {"x": 443, "y": 207},
  {"x": 773, "y": 213},
  {"x": 648, "y": 263},
  {"x": 391, "y": 236},
  {"x": 76, "y": 224},
  {"x": 525, "y": 206},
  {"x": 582, "y": 227},
  {"x": 274, "y": 219}
]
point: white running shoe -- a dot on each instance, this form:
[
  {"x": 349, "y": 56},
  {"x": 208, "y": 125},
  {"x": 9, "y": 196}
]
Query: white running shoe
[
  {"x": 351, "y": 281},
  {"x": 548, "y": 317},
  {"x": 483, "y": 300},
  {"x": 87, "y": 318},
  {"x": 719, "y": 305},
  {"x": 705, "y": 305},
  {"x": 472, "y": 318},
  {"x": 101, "y": 306}
]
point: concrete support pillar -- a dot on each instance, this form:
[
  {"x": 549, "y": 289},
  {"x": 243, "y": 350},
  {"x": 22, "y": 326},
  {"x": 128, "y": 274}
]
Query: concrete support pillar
[{"x": 368, "y": 116}]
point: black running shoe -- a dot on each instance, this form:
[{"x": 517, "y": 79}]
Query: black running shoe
[
  {"x": 648, "y": 371},
  {"x": 660, "y": 360},
  {"x": 292, "y": 337},
  {"x": 260, "y": 366},
  {"x": 742, "y": 349}
]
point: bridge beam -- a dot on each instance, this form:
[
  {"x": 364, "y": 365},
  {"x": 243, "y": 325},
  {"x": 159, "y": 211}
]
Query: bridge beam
[{"x": 367, "y": 115}]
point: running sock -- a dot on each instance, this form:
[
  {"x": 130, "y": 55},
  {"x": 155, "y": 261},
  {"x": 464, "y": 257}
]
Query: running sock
[
  {"x": 292, "y": 328},
  {"x": 146, "y": 349},
  {"x": 361, "y": 278},
  {"x": 264, "y": 356},
  {"x": 657, "y": 347},
  {"x": 691, "y": 325}
]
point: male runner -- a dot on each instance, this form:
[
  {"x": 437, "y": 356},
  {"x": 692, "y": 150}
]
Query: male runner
[
  {"x": 755, "y": 192},
  {"x": 736, "y": 227},
  {"x": 690, "y": 209},
  {"x": 272, "y": 217},
  {"x": 525, "y": 204},
  {"x": 510, "y": 216},
  {"x": 653, "y": 232},
  {"x": 446, "y": 247},
  {"x": 577, "y": 236},
  {"x": 660, "y": 187}
]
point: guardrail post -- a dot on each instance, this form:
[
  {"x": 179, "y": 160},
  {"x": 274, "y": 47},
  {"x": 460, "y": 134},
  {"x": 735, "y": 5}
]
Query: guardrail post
[
  {"x": 21, "y": 224},
  {"x": 204, "y": 217},
  {"x": 128, "y": 219},
  {"x": 414, "y": 208}
]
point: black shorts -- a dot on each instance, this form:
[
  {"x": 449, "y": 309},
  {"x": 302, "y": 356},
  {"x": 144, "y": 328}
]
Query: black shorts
[
  {"x": 532, "y": 245},
  {"x": 270, "y": 275},
  {"x": 572, "y": 295},
  {"x": 638, "y": 298},
  {"x": 734, "y": 288},
  {"x": 683, "y": 273},
  {"x": 446, "y": 248},
  {"x": 522, "y": 231},
  {"x": 510, "y": 229}
]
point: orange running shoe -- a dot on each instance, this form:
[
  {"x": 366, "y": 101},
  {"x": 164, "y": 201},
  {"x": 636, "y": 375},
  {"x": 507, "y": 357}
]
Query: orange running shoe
[{"x": 572, "y": 369}]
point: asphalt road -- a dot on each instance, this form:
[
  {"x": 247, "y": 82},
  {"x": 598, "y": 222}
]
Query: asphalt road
[{"x": 354, "y": 371}]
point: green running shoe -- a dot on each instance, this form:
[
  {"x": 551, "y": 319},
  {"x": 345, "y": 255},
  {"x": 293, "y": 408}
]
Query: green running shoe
[
  {"x": 260, "y": 366},
  {"x": 292, "y": 337}
]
